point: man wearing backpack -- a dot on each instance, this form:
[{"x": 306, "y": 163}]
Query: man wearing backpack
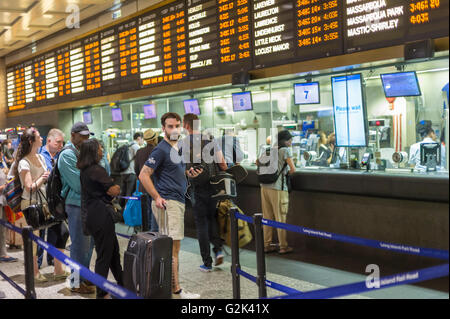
[
  {"x": 199, "y": 149},
  {"x": 50, "y": 152},
  {"x": 274, "y": 188},
  {"x": 128, "y": 176},
  {"x": 82, "y": 245}
]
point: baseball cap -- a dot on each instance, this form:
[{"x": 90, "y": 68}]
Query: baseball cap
[
  {"x": 149, "y": 135},
  {"x": 81, "y": 128}
]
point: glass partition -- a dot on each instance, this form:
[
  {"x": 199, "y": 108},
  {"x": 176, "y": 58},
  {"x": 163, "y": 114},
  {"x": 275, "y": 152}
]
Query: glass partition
[{"x": 395, "y": 126}]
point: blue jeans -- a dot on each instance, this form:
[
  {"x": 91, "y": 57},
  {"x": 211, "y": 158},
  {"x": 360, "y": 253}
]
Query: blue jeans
[{"x": 82, "y": 246}]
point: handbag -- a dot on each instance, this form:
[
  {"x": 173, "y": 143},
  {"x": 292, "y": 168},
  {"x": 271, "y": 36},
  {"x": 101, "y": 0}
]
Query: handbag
[
  {"x": 115, "y": 210},
  {"x": 132, "y": 215},
  {"x": 223, "y": 220},
  {"x": 11, "y": 216},
  {"x": 13, "y": 193},
  {"x": 38, "y": 215}
]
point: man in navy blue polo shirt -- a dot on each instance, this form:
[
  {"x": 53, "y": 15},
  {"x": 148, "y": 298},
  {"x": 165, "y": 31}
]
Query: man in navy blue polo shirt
[{"x": 168, "y": 190}]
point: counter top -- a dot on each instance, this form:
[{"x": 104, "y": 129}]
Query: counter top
[{"x": 431, "y": 186}]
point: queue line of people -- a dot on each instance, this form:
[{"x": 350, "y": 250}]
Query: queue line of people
[{"x": 88, "y": 188}]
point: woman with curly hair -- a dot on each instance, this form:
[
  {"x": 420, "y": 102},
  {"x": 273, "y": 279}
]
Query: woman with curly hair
[{"x": 32, "y": 171}]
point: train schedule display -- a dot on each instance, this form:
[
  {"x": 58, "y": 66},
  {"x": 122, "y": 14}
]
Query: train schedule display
[
  {"x": 163, "y": 50},
  {"x": 273, "y": 32},
  {"x": 319, "y": 28},
  {"x": 203, "y": 41},
  {"x": 193, "y": 39}
]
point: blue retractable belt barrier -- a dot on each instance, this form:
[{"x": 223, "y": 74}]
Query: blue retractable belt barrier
[
  {"x": 385, "y": 282},
  {"x": 11, "y": 226},
  {"x": 16, "y": 286},
  {"x": 269, "y": 283},
  {"x": 425, "y": 252},
  {"x": 96, "y": 279},
  {"x": 248, "y": 219}
]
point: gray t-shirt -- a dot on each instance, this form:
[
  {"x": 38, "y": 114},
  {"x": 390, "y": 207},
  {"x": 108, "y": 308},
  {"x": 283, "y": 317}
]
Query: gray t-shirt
[{"x": 283, "y": 154}]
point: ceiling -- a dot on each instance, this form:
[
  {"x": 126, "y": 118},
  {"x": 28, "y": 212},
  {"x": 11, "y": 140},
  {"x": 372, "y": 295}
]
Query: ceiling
[{"x": 25, "y": 21}]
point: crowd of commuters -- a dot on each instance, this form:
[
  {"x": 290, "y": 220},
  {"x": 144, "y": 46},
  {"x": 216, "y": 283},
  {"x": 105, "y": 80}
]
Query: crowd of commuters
[{"x": 170, "y": 169}]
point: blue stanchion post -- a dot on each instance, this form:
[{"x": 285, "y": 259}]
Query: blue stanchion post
[
  {"x": 260, "y": 257},
  {"x": 30, "y": 292},
  {"x": 235, "y": 254}
]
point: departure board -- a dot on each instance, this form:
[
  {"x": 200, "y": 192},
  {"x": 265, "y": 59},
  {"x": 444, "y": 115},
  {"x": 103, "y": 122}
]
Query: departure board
[
  {"x": 92, "y": 68},
  {"x": 19, "y": 87},
  {"x": 29, "y": 83},
  {"x": 150, "y": 49},
  {"x": 63, "y": 63},
  {"x": 427, "y": 19},
  {"x": 10, "y": 89},
  {"x": 163, "y": 46},
  {"x": 319, "y": 28},
  {"x": 51, "y": 77},
  {"x": 39, "y": 80},
  {"x": 203, "y": 41},
  {"x": 77, "y": 76},
  {"x": 273, "y": 32},
  {"x": 370, "y": 24},
  {"x": 235, "y": 35},
  {"x": 193, "y": 39},
  {"x": 128, "y": 56},
  {"x": 109, "y": 50}
]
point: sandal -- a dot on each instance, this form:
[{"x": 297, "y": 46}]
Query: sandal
[
  {"x": 286, "y": 250},
  {"x": 40, "y": 278},
  {"x": 269, "y": 249},
  {"x": 8, "y": 259},
  {"x": 62, "y": 276}
]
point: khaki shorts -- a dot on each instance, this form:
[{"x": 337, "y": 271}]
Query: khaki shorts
[{"x": 175, "y": 218}]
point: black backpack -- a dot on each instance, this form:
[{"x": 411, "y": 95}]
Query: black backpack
[
  {"x": 209, "y": 169},
  {"x": 120, "y": 160},
  {"x": 57, "y": 203},
  {"x": 266, "y": 173}
]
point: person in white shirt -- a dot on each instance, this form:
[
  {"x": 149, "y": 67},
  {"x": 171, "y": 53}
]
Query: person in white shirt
[{"x": 428, "y": 136}]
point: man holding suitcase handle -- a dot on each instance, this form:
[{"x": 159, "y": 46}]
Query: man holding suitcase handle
[{"x": 168, "y": 191}]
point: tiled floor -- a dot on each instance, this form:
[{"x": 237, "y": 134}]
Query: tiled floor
[{"x": 217, "y": 284}]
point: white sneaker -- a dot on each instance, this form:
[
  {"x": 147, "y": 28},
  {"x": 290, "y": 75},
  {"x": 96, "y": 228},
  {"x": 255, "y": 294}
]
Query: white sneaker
[{"x": 186, "y": 295}]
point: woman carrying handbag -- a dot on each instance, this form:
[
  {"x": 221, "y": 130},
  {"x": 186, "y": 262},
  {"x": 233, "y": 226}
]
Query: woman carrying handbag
[
  {"x": 98, "y": 190},
  {"x": 33, "y": 174}
]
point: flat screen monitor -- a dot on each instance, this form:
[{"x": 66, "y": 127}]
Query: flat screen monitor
[
  {"x": 191, "y": 106},
  {"x": 87, "y": 117},
  {"x": 242, "y": 101},
  {"x": 117, "y": 114},
  {"x": 400, "y": 84},
  {"x": 430, "y": 155},
  {"x": 306, "y": 93},
  {"x": 150, "y": 111},
  {"x": 349, "y": 111}
]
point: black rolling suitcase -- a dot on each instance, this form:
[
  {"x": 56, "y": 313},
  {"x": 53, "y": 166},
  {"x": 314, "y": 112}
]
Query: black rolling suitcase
[{"x": 148, "y": 265}]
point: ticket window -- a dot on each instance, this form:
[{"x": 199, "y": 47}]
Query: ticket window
[
  {"x": 147, "y": 114},
  {"x": 395, "y": 123}
]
